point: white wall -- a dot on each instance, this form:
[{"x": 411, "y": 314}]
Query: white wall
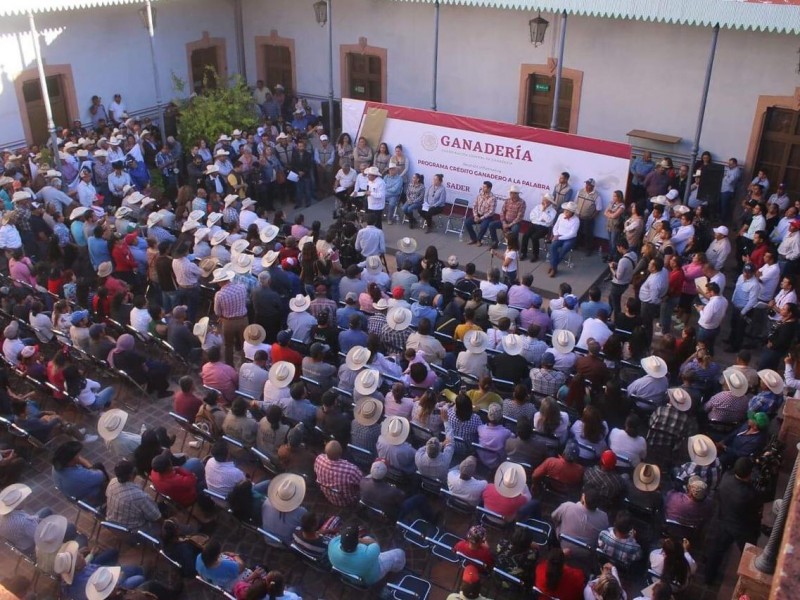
[
  {"x": 109, "y": 52},
  {"x": 637, "y": 75}
]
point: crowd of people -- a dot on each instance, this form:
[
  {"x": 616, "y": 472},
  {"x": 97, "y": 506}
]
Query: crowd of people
[{"x": 368, "y": 383}]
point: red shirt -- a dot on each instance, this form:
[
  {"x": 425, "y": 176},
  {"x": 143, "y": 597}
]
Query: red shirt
[
  {"x": 278, "y": 353},
  {"x": 56, "y": 377},
  {"x": 123, "y": 259},
  {"x": 55, "y": 286},
  {"x": 507, "y": 507},
  {"x": 557, "y": 469},
  {"x": 570, "y": 586},
  {"x": 180, "y": 485},
  {"x": 187, "y": 405},
  {"x": 481, "y": 553},
  {"x": 676, "y": 279},
  {"x": 757, "y": 255}
]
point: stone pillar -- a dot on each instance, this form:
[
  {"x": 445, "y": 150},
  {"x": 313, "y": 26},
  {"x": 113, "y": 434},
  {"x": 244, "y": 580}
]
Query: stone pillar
[{"x": 751, "y": 581}]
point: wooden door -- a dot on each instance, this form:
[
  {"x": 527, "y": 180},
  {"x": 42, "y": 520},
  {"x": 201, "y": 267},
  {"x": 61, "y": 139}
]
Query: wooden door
[
  {"x": 205, "y": 69},
  {"x": 278, "y": 66},
  {"x": 365, "y": 75},
  {"x": 34, "y": 106},
  {"x": 779, "y": 150},
  {"x": 541, "y": 95}
]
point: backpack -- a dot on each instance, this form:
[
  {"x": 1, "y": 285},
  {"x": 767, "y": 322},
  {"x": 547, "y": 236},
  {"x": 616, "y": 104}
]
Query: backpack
[{"x": 205, "y": 420}]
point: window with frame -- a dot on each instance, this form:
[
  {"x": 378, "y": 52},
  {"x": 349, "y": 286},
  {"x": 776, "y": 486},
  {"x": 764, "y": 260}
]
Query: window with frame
[
  {"x": 540, "y": 99},
  {"x": 205, "y": 68},
  {"x": 278, "y": 67},
  {"x": 365, "y": 75}
]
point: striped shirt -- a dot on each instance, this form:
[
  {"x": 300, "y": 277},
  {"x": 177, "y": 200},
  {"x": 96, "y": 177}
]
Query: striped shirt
[{"x": 187, "y": 274}]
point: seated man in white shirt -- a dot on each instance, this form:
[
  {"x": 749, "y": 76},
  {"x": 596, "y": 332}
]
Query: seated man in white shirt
[
  {"x": 595, "y": 328},
  {"x": 462, "y": 483},
  {"x": 222, "y": 475}
]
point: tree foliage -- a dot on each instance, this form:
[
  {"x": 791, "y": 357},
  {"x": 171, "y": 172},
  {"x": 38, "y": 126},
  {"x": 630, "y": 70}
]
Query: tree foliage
[{"x": 221, "y": 107}]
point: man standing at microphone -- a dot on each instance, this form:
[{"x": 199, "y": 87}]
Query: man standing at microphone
[{"x": 376, "y": 195}]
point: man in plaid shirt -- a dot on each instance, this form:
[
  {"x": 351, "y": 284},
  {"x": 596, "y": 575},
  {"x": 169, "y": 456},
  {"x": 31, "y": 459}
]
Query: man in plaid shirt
[
  {"x": 511, "y": 216},
  {"x": 338, "y": 478},
  {"x": 545, "y": 379},
  {"x": 482, "y": 214},
  {"x": 672, "y": 423},
  {"x": 126, "y": 502},
  {"x": 619, "y": 542}
]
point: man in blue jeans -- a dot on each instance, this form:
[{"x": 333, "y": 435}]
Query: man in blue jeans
[
  {"x": 482, "y": 214},
  {"x": 77, "y": 566},
  {"x": 565, "y": 235},
  {"x": 511, "y": 216}
]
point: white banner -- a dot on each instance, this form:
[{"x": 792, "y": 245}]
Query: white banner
[{"x": 469, "y": 151}]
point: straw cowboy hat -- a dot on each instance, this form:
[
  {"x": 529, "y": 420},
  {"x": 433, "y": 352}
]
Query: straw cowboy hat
[
  {"x": 367, "y": 381},
  {"x": 201, "y": 234},
  {"x": 247, "y": 203},
  {"x": 374, "y": 264},
  {"x": 189, "y": 225},
  {"x": 213, "y": 218},
  {"x": 12, "y": 496},
  {"x": 243, "y": 263},
  {"x": 299, "y": 303},
  {"x": 679, "y": 398},
  {"x": 268, "y": 233},
  {"x": 398, "y": 318},
  {"x": 122, "y": 212},
  {"x": 305, "y": 240},
  {"x": 357, "y": 358},
  {"x": 77, "y": 213},
  {"x": 509, "y": 480},
  {"x": 207, "y": 265},
  {"x": 230, "y": 199},
  {"x": 407, "y": 245},
  {"x": 475, "y": 341},
  {"x": 395, "y": 430},
  {"x": 661, "y": 200},
  {"x": 219, "y": 237},
  {"x": 105, "y": 269},
  {"x": 147, "y": 201},
  {"x": 368, "y": 411},
  {"x": 49, "y": 534},
  {"x": 221, "y": 152},
  {"x": 153, "y": 219},
  {"x": 702, "y": 450},
  {"x": 563, "y": 341},
  {"x": 681, "y": 210},
  {"x": 382, "y": 304},
  {"x": 64, "y": 561},
  {"x": 654, "y": 366},
  {"x": 239, "y": 246},
  {"x": 286, "y": 492},
  {"x": 200, "y": 329},
  {"x": 547, "y": 196},
  {"x": 254, "y": 334},
  {"x": 111, "y": 423},
  {"x": 515, "y": 189},
  {"x": 570, "y": 206},
  {"x": 646, "y": 477},
  {"x": 772, "y": 380},
  {"x": 373, "y": 171},
  {"x": 512, "y": 344},
  {"x": 197, "y": 215},
  {"x": 736, "y": 381},
  {"x": 281, "y": 373},
  {"x": 223, "y": 274},
  {"x": 269, "y": 258},
  {"x": 102, "y": 583}
]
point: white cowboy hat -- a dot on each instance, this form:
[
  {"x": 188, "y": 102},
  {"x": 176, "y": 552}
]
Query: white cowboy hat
[
  {"x": 299, "y": 303},
  {"x": 237, "y": 132},
  {"x": 268, "y": 233},
  {"x": 221, "y": 152},
  {"x": 247, "y": 203},
  {"x": 282, "y": 136},
  {"x": 207, "y": 265},
  {"x": 111, "y": 423},
  {"x": 407, "y": 245},
  {"x": 219, "y": 237},
  {"x": 134, "y": 197},
  {"x": 357, "y": 358},
  {"x": 12, "y": 496},
  {"x": 19, "y": 196},
  {"x": 64, "y": 561},
  {"x": 509, "y": 480},
  {"x": 373, "y": 171},
  {"x": 70, "y": 145},
  {"x": 200, "y": 329},
  {"x": 147, "y": 201},
  {"x": 239, "y": 246},
  {"x": 679, "y": 398},
  {"x": 382, "y": 304},
  {"x": 395, "y": 430},
  {"x": 197, "y": 215},
  {"x": 102, "y": 583},
  {"x": 153, "y": 219},
  {"x": 105, "y": 269},
  {"x": 243, "y": 263},
  {"x": 512, "y": 344},
  {"x": 570, "y": 206},
  {"x": 122, "y": 212},
  {"x": 772, "y": 380},
  {"x": 281, "y": 374},
  {"x": 189, "y": 225},
  {"x": 100, "y": 153},
  {"x": 254, "y": 334},
  {"x": 563, "y": 341},
  {"x": 680, "y": 209},
  {"x": 224, "y": 137},
  {"x": 398, "y": 318},
  {"x": 77, "y": 213},
  {"x": 368, "y": 411},
  {"x": 721, "y": 230},
  {"x": 201, "y": 234},
  {"x": 702, "y": 450},
  {"x": 222, "y": 274},
  {"x": 646, "y": 477},
  {"x": 212, "y": 169},
  {"x": 475, "y": 341},
  {"x": 661, "y": 200},
  {"x": 654, "y": 366},
  {"x": 367, "y": 381},
  {"x": 269, "y": 258},
  {"x": 49, "y": 534},
  {"x": 514, "y": 189},
  {"x": 374, "y": 264},
  {"x": 230, "y": 199},
  {"x": 286, "y": 492},
  {"x": 304, "y": 240},
  {"x": 547, "y": 196},
  {"x": 736, "y": 381},
  {"x": 213, "y": 218}
]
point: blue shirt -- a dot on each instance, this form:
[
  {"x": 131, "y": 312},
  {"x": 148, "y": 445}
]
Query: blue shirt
[
  {"x": 419, "y": 312},
  {"x": 98, "y": 251},
  {"x": 81, "y": 483},
  {"x": 766, "y": 402},
  {"x": 77, "y": 590},
  {"x": 394, "y": 186},
  {"x": 589, "y": 309},
  {"x": 363, "y": 562},
  {"x": 343, "y": 317},
  {"x": 351, "y": 338},
  {"x": 76, "y": 228},
  {"x": 640, "y": 168},
  {"x": 224, "y": 574}
]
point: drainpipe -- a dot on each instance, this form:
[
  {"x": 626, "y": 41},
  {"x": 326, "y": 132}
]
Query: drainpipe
[
  {"x": 151, "y": 38},
  {"x": 239, "y": 24},
  {"x": 435, "y": 54},
  {"x": 557, "y": 92},
  {"x": 48, "y": 109}
]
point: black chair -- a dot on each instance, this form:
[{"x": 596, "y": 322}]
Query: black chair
[{"x": 215, "y": 589}]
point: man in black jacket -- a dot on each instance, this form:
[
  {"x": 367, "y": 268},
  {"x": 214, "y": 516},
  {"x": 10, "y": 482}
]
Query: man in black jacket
[{"x": 303, "y": 166}]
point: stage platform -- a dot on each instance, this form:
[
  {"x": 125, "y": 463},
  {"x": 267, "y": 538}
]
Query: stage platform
[{"x": 586, "y": 270}]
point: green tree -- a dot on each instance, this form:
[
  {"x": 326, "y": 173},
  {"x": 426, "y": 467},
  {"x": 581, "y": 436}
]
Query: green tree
[{"x": 220, "y": 108}]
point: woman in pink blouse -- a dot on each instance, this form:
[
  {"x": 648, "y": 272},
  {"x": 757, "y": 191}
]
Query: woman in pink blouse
[
  {"x": 21, "y": 268},
  {"x": 691, "y": 271}
]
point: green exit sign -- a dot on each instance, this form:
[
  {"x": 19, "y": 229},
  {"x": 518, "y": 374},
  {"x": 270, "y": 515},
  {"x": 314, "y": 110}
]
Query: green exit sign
[{"x": 542, "y": 87}]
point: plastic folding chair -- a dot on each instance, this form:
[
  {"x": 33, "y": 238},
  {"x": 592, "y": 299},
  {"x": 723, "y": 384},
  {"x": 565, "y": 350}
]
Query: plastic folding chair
[
  {"x": 215, "y": 588},
  {"x": 459, "y": 210}
]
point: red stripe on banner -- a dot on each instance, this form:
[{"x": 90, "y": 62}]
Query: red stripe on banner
[{"x": 507, "y": 130}]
